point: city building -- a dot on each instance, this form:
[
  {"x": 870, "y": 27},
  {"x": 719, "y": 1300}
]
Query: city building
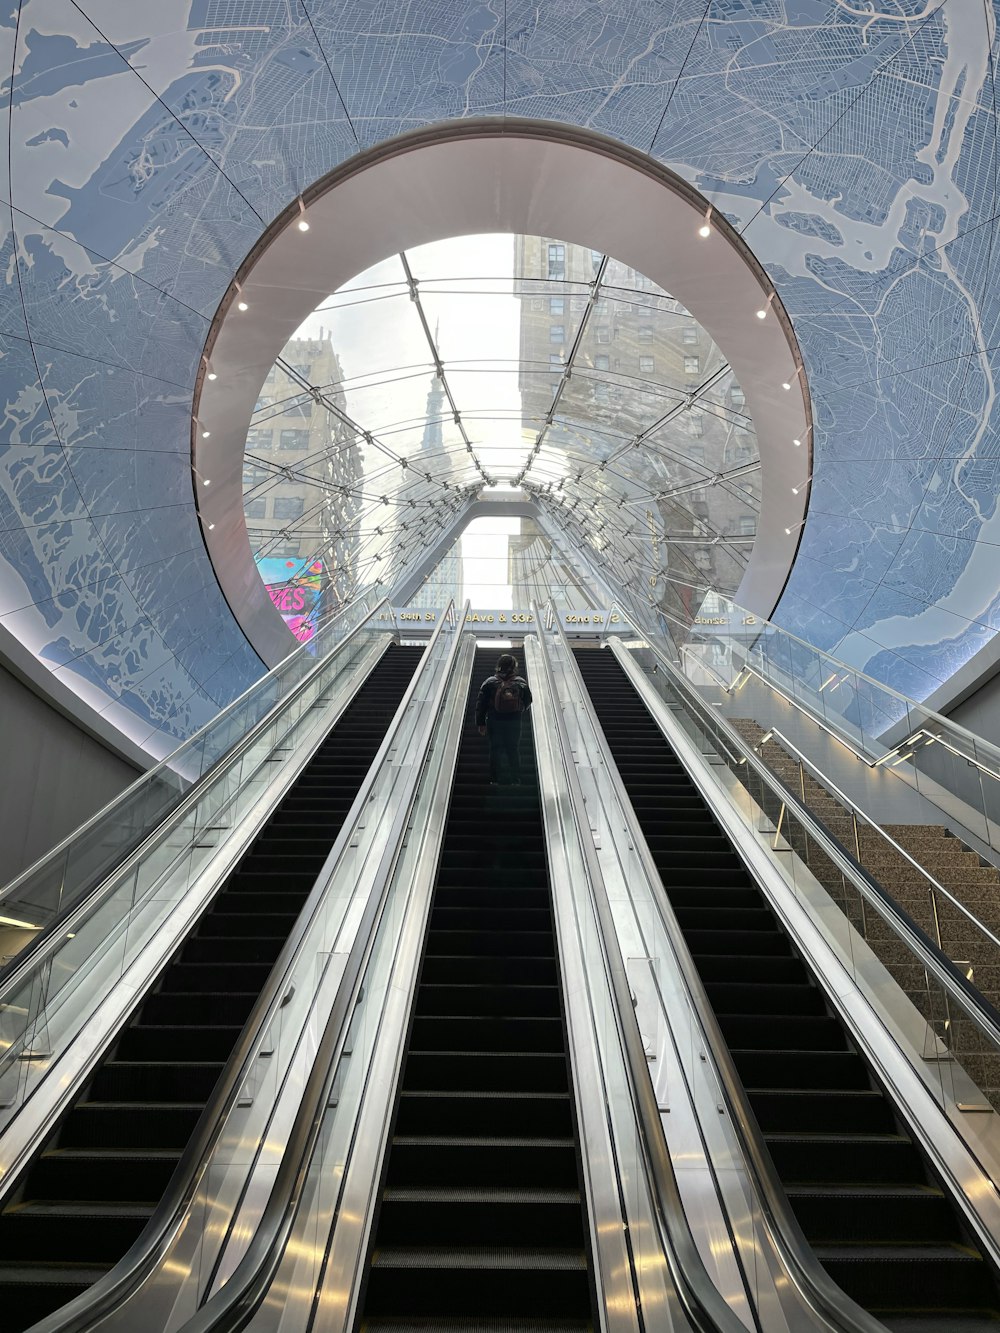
[{"x": 302, "y": 477}]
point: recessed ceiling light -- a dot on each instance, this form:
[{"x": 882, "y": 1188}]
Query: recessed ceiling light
[
  {"x": 242, "y": 305},
  {"x": 762, "y": 314},
  {"x": 704, "y": 230},
  {"x": 303, "y": 225},
  {"x": 797, "y": 443},
  {"x": 211, "y": 526},
  {"x": 207, "y": 481},
  {"x": 205, "y": 434},
  {"x": 212, "y": 375},
  {"x": 785, "y": 385}
]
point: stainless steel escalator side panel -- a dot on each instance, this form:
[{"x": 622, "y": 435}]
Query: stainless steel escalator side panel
[
  {"x": 172, "y": 1264},
  {"x": 707, "y": 1159},
  {"x": 974, "y": 1192},
  {"x": 339, "y": 1294},
  {"x": 99, "y": 1024},
  {"x": 245, "y": 1296},
  {"x": 792, "y": 1290},
  {"x": 635, "y": 1204},
  {"x": 606, "y": 1211}
]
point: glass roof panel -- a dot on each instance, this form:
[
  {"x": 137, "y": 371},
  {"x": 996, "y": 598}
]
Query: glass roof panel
[{"x": 499, "y": 359}]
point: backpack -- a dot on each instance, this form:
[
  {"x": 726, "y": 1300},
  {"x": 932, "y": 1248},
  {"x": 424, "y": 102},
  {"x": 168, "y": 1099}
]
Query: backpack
[{"x": 507, "y": 698}]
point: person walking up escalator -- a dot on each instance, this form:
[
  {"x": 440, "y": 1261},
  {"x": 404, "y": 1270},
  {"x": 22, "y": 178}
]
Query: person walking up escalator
[{"x": 503, "y": 698}]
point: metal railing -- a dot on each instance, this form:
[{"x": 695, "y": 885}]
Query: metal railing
[
  {"x": 949, "y": 766},
  {"x": 349, "y": 893},
  {"x": 947, "y": 1032},
  {"x": 701, "y": 1300},
  {"x": 42, "y": 893},
  {"x": 831, "y": 1308}
]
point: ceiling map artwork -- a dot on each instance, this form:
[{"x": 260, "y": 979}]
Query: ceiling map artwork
[{"x": 852, "y": 146}]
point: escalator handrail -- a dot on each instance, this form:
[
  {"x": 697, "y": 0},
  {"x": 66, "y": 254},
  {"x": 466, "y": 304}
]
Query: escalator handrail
[
  {"x": 934, "y": 959},
  {"x": 701, "y": 1299},
  {"x": 817, "y": 1288},
  {"x": 233, "y": 1304},
  {"x": 150, "y": 773},
  {"x": 114, "y": 1286},
  {"x": 72, "y": 914}
]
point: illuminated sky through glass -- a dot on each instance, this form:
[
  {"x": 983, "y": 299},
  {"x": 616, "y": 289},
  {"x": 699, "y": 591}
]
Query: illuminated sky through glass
[{"x": 513, "y": 360}]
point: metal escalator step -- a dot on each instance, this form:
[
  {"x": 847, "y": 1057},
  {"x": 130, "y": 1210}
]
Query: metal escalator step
[{"x": 504, "y": 1257}]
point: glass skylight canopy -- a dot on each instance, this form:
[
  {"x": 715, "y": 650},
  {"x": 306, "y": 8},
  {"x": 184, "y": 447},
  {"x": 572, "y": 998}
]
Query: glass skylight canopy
[{"x": 499, "y": 361}]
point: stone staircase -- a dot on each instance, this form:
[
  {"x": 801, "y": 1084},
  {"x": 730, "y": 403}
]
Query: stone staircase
[{"x": 974, "y": 883}]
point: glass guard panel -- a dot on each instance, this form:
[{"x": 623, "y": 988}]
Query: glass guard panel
[
  {"x": 47, "y": 1004},
  {"x": 939, "y": 1034},
  {"x": 78, "y": 864},
  {"x": 750, "y": 667}
]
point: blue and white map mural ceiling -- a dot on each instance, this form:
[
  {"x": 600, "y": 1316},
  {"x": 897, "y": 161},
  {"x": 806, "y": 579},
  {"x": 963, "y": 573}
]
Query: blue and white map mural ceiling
[{"x": 853, "y": 144}]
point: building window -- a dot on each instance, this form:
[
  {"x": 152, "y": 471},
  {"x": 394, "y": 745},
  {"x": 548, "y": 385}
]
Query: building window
[
  {"x": 253, "y": 476},
  {"x": 555, "y": 359},
  {"x": 696, "y": 424},
  {"x": 288, "y": 506},
  {"x": 748, "y": 525},
  {"x": 602, "y": 361},
  {"x": 557, "y": 333},
  {"x": 645, "y": 333},
  {"x": 696, "y": 452},
  {"x": 737, "y": 395},
  {"x": 258, "y": 441},
  {"x": 293, "y": 439},
  {"x": 557, "y": 305},
  {"x": 689, "y": 335},
  {"x": 595, "y": 258},
  {"x": 600, "y": 392},
  {"x": 557, "y": 261},
  {"x": 703, "y": 559},
  {"x": 646, "y": 365},
  {"x": 692, "y": 365},
  {"x": 255, "y": 509},
  {"x": 603, "y": 333}
]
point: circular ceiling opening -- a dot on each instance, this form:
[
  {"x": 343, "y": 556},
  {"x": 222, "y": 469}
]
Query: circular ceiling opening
[
  {"x": 510, "y": 306},
  {"x": 496, "y": 360}
]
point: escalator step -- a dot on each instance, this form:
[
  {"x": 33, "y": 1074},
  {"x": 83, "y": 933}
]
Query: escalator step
[
  {"x": 489, "y": 1114},
  {"x": 862, "y": 1191},
  {"x": 90, "y": 1191},
  {"x": 481, "y": 1224}
]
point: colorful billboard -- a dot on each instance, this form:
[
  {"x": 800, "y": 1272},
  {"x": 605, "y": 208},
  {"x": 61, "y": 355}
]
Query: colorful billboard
[{"x": 294, "y": 587}]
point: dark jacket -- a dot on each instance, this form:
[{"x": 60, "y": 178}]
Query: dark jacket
[{"x": 487, "y": 691}]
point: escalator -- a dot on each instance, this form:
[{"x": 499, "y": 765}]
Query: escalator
[
  {"x": 865, "y": 1196},
  {"x": 95, "y": 1183},
  {"x": 481, "y": 1223}
]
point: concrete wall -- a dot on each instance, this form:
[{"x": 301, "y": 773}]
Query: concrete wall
[{"x": 53, "y": 776}]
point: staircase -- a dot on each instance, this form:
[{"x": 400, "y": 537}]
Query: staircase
[
  {"x": 94, "y": 1185},
  {"x": 481, "y": 1227},
  {"x": 962, "y": 872},
  {"x": 867, "y": 1200}
]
